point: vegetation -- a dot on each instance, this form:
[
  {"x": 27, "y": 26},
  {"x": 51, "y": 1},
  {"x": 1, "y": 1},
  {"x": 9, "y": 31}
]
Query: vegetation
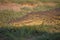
[
  {"x": 40, "y": 32},
  {"x": 29, "y": 1},
  {"x": 9, "y": 15},
  {"x": 35, "y": 32}
]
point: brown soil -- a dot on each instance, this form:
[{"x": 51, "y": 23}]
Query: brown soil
[
  {"x": 10, "y": 6},
  {"x": 16, "y": 7}
]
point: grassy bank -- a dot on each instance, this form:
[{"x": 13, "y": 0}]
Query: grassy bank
[{"x": 45, "y": 32}]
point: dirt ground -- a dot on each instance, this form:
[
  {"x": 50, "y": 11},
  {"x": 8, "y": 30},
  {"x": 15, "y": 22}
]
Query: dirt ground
[{"x": 17, "y": 7}]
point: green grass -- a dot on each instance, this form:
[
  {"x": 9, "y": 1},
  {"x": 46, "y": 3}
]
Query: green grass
[
  {"x": 56, "y": 1},
  {"x": 29, "y": 32},
  {"x": 8, "y": 15},
  {"x": 29, "y": 1}
]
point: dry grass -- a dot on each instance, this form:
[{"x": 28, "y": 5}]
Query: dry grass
[{"x": 37, "y": 18}]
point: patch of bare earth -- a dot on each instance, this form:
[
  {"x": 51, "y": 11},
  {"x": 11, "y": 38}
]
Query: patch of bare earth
[
  {"x": 17, "y": 7},
  {"x": 9, "y": 6},
  {"x": 14, "y": 6}
]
